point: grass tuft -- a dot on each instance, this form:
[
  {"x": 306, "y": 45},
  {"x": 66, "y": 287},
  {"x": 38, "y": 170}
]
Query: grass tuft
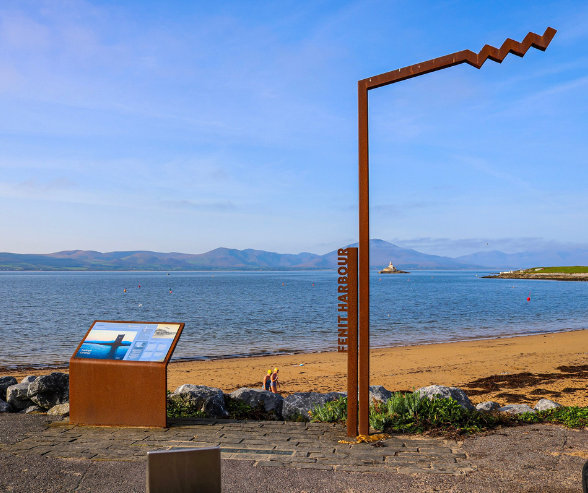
[
  {"x": 240, "y": 410},
  {"x": 570, "y": 417},
  {"x": 182, "y": 408},
  {"x": 330, "y": 412}
]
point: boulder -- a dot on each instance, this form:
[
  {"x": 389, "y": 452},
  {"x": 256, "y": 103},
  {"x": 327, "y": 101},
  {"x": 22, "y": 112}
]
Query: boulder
[
  {"x": 6, "y": 382},
  {"x": 517, "y": 409},
  {"x": 5, "y": 407},
  {"x": 209, "y": 400},
  {"x": 48, "y": 391},
  {"x": 33, "y": 410},
  {"x": 545, "y": 404},
  {"x": 379, "y": 393},
  {"x": 300, "y": 403},
  {"x": 29, "y": 379},
  {"x": 487, "y": 406},
  {"x": 272, "y": 403},
  {"x": 59, "y": 410},
  {"x": 17, "y": 396},
  {"x": 455, "y": 393}
]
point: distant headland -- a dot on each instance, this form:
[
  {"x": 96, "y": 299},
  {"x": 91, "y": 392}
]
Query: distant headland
[{"x": 565, "y": 273}]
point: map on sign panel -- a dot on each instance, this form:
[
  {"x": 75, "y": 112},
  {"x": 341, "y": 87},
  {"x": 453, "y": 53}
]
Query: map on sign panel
[{"x": 128, "y": 341}]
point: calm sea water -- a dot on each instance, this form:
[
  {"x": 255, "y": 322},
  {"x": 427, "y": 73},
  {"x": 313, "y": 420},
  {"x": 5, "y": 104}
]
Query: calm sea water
[{"x": 44, "y": 315}]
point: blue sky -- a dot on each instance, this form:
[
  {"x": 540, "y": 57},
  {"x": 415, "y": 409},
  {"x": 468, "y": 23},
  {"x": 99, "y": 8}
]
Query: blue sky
[{"x": 185, "y": 126}]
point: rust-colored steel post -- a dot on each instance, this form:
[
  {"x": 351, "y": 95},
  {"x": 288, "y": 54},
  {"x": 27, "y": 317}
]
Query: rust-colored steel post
[
  {"x": 347, "y": 340},
  {"x": 363, "y": 86},
  {"x": 364, "y": 261},
  {"x": 352, "y": 354}
]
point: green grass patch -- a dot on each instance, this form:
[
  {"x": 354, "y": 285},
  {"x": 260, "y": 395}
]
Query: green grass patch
[
  {"x": 331, "y": 412},
  {"x": 404, "y": 413},
  {"x": 570, "y": 417},
  {"x": 411, "y": 413},
  {"x": 575, "y": 269}
]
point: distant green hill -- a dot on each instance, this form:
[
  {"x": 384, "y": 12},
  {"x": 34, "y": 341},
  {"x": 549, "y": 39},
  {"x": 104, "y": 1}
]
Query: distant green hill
[{"x": 381, "y": 254}]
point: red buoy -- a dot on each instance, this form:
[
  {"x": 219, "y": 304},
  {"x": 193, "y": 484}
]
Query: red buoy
[{"x": 139, "y": 285}]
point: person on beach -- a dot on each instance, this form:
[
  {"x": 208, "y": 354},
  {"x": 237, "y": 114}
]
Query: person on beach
[
  {"x": 274, "y": 381},
  {"x": 267, "y": 380}
]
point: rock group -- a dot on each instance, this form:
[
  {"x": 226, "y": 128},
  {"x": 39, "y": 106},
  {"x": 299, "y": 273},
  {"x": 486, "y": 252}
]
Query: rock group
[
  {"x": 438, "y": 391},
  {"x": 46, "y": 393},
  {"x": 50, "y": 394},
  {"x": 272, "y": 403},
  {"x": 208, "y": 400},
  {"x": 455, "y": 393}
]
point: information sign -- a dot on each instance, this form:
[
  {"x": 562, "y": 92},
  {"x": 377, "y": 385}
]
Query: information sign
[
  {"x": 128, "y": 341},
  {"x": 118, "y": 373}
]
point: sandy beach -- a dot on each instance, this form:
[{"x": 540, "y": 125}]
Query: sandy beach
[{"x": 508, "y": 370}]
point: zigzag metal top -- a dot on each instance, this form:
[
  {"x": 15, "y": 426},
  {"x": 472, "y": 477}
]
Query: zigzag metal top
[{"x": 465, "y": 56}]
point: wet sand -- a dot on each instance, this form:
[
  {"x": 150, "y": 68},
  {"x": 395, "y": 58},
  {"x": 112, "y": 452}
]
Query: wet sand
[{"x": 508, "y": 370}]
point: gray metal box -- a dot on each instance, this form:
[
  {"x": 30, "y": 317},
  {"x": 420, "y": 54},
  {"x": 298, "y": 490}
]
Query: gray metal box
[{"x": 184, "y": 470}]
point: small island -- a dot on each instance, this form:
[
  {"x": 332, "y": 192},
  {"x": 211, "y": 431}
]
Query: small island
[
  {"x": 564, "y": 273},
  {"x": 392, "y": 270}
]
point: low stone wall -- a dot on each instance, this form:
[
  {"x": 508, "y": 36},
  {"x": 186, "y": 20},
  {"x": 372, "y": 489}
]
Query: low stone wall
[{"x": 50, "y": 394}]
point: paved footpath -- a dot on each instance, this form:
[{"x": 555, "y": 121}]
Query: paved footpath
[
  {"x": 268, "y": 443},
  {"x": 524, "y": 459}
]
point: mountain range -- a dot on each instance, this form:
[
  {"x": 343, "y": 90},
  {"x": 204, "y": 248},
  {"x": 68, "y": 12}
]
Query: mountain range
[{"x": 381, "y": 253}]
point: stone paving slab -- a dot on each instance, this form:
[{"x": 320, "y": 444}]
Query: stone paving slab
[{"x": 268, "y": 443}]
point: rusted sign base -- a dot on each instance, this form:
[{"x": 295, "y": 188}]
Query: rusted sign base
[{"x": 111, "y": 393}]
